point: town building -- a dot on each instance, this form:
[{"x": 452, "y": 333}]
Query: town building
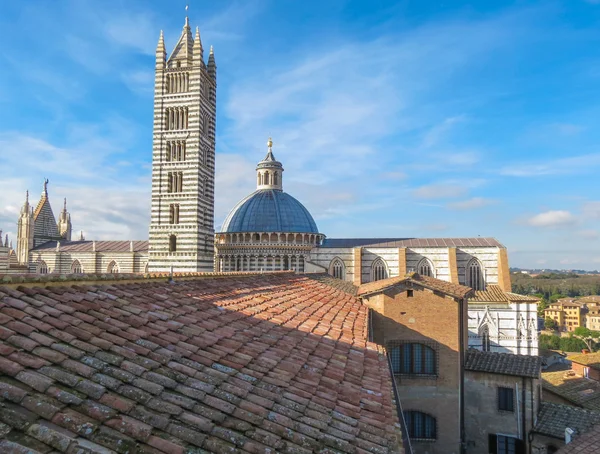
[
  {"x": 502, "y": 401},
  {"x": 557, "y": 425},
  {"x": 587, "y": 365},
  {"x": 568, "y": 313},
  {"x": 452, "y": 398}
]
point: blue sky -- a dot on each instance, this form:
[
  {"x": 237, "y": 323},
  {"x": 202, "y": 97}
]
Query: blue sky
[{"x": 392, "y": 118}]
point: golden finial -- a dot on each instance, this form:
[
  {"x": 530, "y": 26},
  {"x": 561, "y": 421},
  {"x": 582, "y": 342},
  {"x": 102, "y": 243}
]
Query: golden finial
[{"x": 270, "y": 143}]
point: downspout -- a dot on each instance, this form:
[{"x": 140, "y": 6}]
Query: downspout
[
  {"x": 461, "y": 381},
  {"x": 533, "y": 414},
  {"x": 524, "y": 409}
]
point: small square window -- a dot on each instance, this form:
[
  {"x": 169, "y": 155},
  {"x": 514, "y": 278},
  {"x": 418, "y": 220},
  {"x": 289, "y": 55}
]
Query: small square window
[
  {"x": 410, "y": 293},
  {"x": 506, "y": 399}
]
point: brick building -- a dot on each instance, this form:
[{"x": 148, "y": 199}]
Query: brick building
[{"x": 586, "y": 365}]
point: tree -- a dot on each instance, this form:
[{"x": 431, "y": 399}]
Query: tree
[
  {"x": 571, "y": 344},
  {"x": 549, "y": 342},
  {"x": 591, "y": 338},
  {"x": 550, "y": 324}
]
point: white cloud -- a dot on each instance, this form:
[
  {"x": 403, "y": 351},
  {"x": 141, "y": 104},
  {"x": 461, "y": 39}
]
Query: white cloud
[
  {"x": 557, "y": 218},
  {"x": 564, "y": 166},
  {"x": 471, "y": 204}
]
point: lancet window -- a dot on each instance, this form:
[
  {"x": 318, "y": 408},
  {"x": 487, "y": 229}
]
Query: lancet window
[
  {"x": 475, "y": 278},
  {"x": 425, "y": 268},
  {"x": 378, "y": 270},
  {"x": 176, "y": 118},
  {"x": 176, "y": 150},
  {"x": 174, "y": 213},
  {"x": 175, "y": 182},
  {"x": 178, "y": 82}
]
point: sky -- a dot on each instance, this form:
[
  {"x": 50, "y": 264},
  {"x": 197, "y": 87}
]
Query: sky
[{"x": 412, "y": 118}]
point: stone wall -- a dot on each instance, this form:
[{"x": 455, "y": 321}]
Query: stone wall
[{"x": 482, "y": 416}]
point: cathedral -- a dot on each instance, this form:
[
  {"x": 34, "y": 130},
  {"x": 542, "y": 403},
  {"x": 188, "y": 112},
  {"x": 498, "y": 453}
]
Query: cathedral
[{"x": 269, "y": 230}]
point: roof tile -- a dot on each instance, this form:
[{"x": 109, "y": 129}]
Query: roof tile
[{"x": 222, "y": 364}]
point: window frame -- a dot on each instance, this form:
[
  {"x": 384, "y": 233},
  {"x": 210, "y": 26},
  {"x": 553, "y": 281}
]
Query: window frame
[
  {"x": 416, "y": 424},
  {"x": 415, "y": 363},
  {"x": 504, "y": 403},
  {"x": 425, "y": 263}
]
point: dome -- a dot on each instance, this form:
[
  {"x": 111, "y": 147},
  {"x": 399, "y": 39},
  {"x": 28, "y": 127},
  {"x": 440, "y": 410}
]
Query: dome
[{"x": 269, "y": 210}]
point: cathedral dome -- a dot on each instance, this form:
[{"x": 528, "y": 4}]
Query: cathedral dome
[{"x": 269, "y": 210}]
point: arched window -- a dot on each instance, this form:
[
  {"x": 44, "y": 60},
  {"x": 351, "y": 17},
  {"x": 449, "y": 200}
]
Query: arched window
[
  {"x": 76, "y": 267},
  {"x": 266, "y": 178},
  {"x": 172, "y": 243},
  {"x": 475, "y": 278},
  {"x": 420, "y": 425},
  {"x": 485, "y": 338},
  {"x": 275, "y": 177},
  {"x": 258, "y": 179},
  {"x": 336, "y": 269},
  {"x": 378, "y": 270},
  {"x": 413, "y": 359},
  {"x": 113, "y": 267},
  {"x": 42, "y": 268},
  {"x": 425, "y": 268}
]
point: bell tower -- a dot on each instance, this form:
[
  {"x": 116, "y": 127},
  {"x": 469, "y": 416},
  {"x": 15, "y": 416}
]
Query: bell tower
[{"x": 183, "y": 157}]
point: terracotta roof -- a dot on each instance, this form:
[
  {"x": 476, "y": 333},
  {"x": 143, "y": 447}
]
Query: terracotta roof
[
  {"x": 101, "y": 246},
  {"x": 494, "y": 294},
  {"x": 579, "y": 390},
  {"x": 589, "y": 359},
  {"x": 345, "y": 286},
  {"x": 553, "y": 419},
  {"x": 271, "y": 363},
  {"x": 588, "y": 443},
  {"x": 503, "y": 363},
  {"x": 411, "y": 242},
  {"x": 455, "y": 290}
]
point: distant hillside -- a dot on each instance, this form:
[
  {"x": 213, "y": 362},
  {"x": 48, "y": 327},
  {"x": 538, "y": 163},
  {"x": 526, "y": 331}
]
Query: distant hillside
[{"x": 554, "y": 283}]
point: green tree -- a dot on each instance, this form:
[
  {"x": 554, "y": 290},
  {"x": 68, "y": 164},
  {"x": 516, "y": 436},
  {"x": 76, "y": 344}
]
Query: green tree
[
  {"x": 591, "y": 338},
  {"x": 550, "y": 324},
  {"x": 549, "y": 342},
  {"x": 571, "y": 344}
]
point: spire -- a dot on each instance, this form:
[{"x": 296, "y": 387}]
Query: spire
[
  {"x": 25, "y": 209},
  {"x": 81, "y": 237},
  {"x": 161, "y": 52},
  {"x": 6, "y": 241},
  {"x": 269, "y": 171},
  {"x": 198, "y": 50},
  {"x": 212, "y": 66},
  {"x": 65, "y": 206}
]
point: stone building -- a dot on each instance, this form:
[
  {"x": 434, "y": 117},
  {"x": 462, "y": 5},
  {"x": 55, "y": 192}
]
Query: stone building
[
  {"x": 183, "y": 157},
  {"x": 502, "y": 401},
  {"x": 269, "y": 229}
]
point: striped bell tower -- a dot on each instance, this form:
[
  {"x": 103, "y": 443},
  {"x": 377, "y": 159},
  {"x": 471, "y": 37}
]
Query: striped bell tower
[{"x": 183, "y": 157}]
